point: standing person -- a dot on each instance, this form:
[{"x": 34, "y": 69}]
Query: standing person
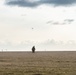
[{"x": 33, "y": 49}]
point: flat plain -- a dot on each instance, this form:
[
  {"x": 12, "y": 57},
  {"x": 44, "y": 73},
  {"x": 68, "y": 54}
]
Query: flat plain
[{"x": 38, "y": 63}]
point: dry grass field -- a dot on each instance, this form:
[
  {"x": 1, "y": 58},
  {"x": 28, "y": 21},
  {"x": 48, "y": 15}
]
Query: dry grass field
[{"x": 39, "y": 63}]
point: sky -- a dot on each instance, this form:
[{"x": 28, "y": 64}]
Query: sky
[{"x": 50, "y": 25}]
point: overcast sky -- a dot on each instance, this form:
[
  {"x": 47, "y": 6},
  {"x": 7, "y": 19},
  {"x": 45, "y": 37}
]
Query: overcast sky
[{"x": 47, "y": 24}]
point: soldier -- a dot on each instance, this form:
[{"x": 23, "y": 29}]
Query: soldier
[{"x": 33, "y": 49}]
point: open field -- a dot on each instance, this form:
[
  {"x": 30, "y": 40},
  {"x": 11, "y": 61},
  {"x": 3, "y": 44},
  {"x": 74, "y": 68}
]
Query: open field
[{"x": 39, "y": 63}]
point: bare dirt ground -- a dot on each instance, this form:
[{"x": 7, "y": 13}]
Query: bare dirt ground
[{"x": 39, "y": 63}]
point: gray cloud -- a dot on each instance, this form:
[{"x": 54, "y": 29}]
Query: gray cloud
[
  {"x": 49, "y": 22},
  {"x": 69, "y": 21},
  {"x": 65, "y": 22},
  {"x": 55, "y": 23},
  {"x": 22, "y": 3},
  {"x": 34, "y": 3}
]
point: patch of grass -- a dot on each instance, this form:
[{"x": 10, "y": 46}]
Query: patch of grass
[
  {"x": 37, "y": 74},
  {"x": 40, "y": 63}
]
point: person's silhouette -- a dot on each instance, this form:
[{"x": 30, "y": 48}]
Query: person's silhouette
[{"x": 33, "y": 49}]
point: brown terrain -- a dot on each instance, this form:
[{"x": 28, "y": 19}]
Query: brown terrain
[{"x": 39, "y": 63}]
